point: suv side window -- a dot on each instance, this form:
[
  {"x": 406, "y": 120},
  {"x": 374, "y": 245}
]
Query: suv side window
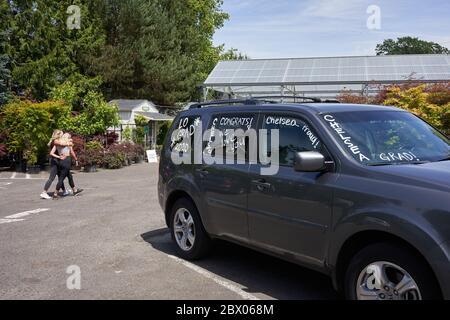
[
  {"x": 227, "y": 124},
  {"x": 295, "y": 136},
  {"x": 184, "y": 129}
]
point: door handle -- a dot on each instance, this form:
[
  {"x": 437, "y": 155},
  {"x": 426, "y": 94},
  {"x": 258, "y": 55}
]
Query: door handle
[{"x": 262, "y": 185}]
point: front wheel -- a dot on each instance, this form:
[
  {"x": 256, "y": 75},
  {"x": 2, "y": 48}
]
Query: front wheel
[
  {"x": 386, "y": 271},
  {"x": 192, "y": 241}
]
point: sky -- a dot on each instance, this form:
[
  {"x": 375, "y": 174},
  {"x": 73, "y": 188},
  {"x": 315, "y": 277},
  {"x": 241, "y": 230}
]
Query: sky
[{"x": 322, "y": 28}]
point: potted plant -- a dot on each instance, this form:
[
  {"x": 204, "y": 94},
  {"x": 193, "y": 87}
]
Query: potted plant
[
  {"x": 115, "y": 157},
  {"x": 31, "y": 158},
  {"x": 138, "y": 153},
  {"x": 91, "y": 156}
]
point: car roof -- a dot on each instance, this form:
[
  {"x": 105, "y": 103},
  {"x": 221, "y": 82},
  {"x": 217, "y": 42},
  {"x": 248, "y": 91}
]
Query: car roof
[{"x": 313, "y": 108}]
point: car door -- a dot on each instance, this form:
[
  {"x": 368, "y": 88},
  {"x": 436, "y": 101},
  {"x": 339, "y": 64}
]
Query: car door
[
  {"x": 290, "y": 212},
  {"x": 225, "y": 186}
]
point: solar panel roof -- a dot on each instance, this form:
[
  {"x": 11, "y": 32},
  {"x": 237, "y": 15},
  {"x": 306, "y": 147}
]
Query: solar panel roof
[{"x": 334, "y": 70}]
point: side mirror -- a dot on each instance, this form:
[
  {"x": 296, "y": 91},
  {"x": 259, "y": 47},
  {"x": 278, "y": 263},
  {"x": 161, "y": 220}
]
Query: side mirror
[{"x": 309, "y": 161}]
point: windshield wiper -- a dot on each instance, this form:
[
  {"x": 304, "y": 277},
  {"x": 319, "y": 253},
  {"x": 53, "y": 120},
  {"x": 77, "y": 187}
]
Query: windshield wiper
[{"x": 379, "y": 164}]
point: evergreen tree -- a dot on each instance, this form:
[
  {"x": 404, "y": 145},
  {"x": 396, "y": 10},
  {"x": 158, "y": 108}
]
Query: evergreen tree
[
  {"x": 159, "y": 50},
  {"x": 4, "y": 79},
  {"x": 44, "y": 52}
]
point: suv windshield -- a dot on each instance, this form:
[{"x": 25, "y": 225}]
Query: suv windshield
[{"x": 387, "y": 137}]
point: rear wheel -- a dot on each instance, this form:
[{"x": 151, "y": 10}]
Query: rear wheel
[
  {"x": 386, "y": 271},
  {"x": 192, "y": 241}
]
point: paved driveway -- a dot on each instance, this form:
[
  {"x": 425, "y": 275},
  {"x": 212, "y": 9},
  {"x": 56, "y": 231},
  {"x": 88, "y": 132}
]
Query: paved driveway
[{"x": 114, "y": 235}]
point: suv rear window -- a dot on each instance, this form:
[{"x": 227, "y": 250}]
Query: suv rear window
[{"x": 185, "y": 127}]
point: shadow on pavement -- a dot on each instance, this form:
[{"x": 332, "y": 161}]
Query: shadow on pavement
[{"x": 257, "y": 272}]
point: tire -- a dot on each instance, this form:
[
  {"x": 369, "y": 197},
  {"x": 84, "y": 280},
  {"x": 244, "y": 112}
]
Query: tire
[
  {"x": 202, "y": 243},
  {"x": 396, "y": 260}
]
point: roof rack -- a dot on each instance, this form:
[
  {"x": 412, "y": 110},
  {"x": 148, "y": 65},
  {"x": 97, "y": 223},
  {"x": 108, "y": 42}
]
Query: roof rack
[
  {"x": 223, "y": 102},
  {"x": 257, "y": 100},
  {"x": 315, "y": 99}
]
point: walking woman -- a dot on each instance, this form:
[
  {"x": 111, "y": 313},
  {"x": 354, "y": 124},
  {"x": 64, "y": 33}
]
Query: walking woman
[
  {"x": 54, "y": 165},
  {"x": 65, "y": 154}
]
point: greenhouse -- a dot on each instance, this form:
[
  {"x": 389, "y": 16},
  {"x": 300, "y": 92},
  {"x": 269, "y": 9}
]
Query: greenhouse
[{"x": 324, "y": 77}]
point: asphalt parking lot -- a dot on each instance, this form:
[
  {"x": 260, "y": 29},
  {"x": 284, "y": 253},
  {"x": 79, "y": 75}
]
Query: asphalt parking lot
[{"x": 115, "y": 233}]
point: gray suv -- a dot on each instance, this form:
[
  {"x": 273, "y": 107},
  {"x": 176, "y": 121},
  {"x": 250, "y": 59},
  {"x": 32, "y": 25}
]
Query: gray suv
[{"x": 361, "y": 193}]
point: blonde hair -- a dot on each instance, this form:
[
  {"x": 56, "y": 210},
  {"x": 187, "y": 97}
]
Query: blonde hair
[
  {"x": 57, "y": 134},
  {"x": 66, "y": 138}
]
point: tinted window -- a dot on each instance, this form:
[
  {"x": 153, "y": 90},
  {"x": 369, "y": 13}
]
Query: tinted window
[
  {"x": 184, "y": 131},
  {"x": 233, "y": 140},
  {"x": 295, "y": 136}
]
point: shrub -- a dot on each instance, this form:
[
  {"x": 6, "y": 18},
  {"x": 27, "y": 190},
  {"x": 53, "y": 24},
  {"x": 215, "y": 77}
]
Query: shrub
[
  {"x": 348, "y": 97},
  {"x": 28, "y": 126},
  {"x": 112, "y": 160},
  {"x": 129, "y": 150},
  {"x": 111, "y": 138},
  {"x": 3, "y": 150},
  {"x": 420, "y": 102},
  {"x": 79, "y": 144},
  {"x": 139, "y": 151},
  {"x": 431, "y": 102},
  {"x": 115, "y": 156},
  {"x": 92, "y": 154}
]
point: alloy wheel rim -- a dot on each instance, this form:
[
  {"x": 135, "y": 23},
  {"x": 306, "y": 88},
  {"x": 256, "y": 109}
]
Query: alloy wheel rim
[
  {"x": 384, "y": 280},
  {"x": 184, "y": 229}
]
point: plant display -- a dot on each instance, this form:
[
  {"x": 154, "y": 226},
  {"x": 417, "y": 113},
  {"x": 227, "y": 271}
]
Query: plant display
[
  {"x": 430, "y": 102},
  {"x": 28, "y": 126},
  {"x": 93, "y": 154},
  {"x": 3, "y": 148},
  {"x": 114, "y": 157}
]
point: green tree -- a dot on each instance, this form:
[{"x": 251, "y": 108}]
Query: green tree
[
  {"x": 74, "y": 90},
  {"x": 409, "y": 45},
  {"x": 97, "y": 115},
  {"x": 4, "y": 79},
  {"x": 139, "y": 132},
  {"x": 92, "y": 114},
  {"x": 44, "y": 52},
  {"x": 5, "y": 72},
  {"x": 159, "y": 50},
  {"x": 233, "y": 54}
]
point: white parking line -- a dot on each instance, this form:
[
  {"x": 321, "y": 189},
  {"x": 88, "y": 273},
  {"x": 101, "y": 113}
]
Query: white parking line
[
  {"x": 25, "y": 213},
  {"x": 18, "y": 216},
  {"x": 216, "y": 279},
  {"x": 2, "y": 221},
  {"x": 3, "y": 185},
  {"x": 23, "y": 178},
  {"x": 13, "y": 176}
]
